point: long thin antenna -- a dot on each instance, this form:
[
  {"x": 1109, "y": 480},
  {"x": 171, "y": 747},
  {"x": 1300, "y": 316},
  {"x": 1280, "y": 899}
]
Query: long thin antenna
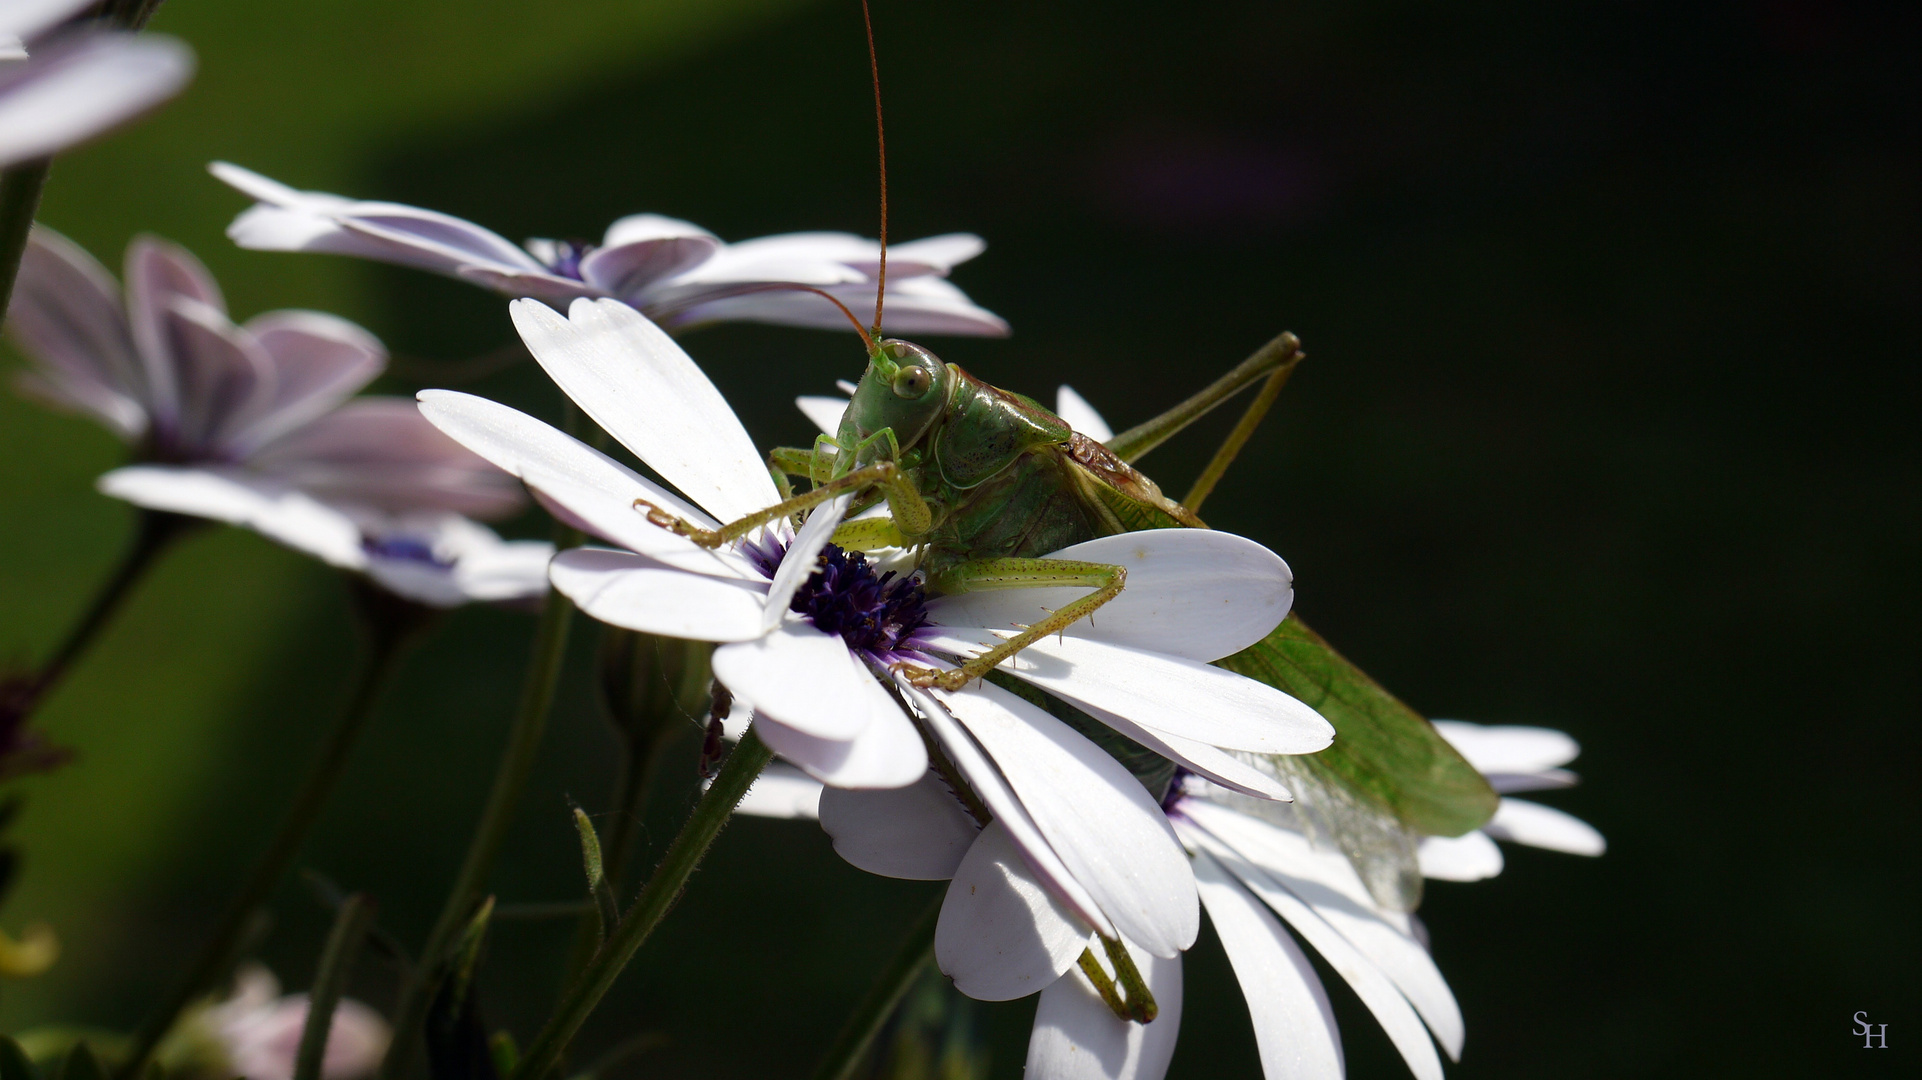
[{"x": 881, "y": 138}]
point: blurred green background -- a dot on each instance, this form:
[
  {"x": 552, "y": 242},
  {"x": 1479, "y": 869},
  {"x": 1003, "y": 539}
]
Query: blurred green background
[{"x": 1608, "y": 425}]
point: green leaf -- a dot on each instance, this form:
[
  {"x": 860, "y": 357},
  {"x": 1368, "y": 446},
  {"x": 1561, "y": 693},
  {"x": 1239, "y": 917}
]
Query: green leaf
[{"x": 1384, "y": 751}]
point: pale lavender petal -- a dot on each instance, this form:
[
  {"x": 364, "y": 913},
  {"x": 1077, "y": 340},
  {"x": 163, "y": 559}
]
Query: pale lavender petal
[
  {"x": 1096, "y": 816},
  {"x": 25, "y": 19},
  {"x": 82, "y": 84},
  {"x": 1294, "y": 1026},
  {"x": 1080, "y": 415},
  {"x": 319, "y": 361},
  {"x": 1376, "y": 990},
  {"x": 381, "y": 453},
  {"x": 276, "y": 512},
  {"x": 801, "y": 677},
  {"x": 782, "y": 791},
  {"x": 923, "y": 305},
  {"x": 1182, "y": 697},
  {"x": 626, "y": 267},
  {"x": 1194, "y": 593},
  {"x": 1002, "y": 935},
  {"x": 1469, "y": 857},
  {"x": 526, "y": 284},
  {"x": 919, "y": 832},
  {"x": 225, "y": 379},
  {"x": 1522, "y": 822},
  {"x": 66, "y": 316},
  {"x": 640, "y": 228},
  {"x": 158, "y": 274},
  {"x": 1077, "y": 1037},
  {"x": 634, "y": 381},
  {"x": 638, "y": 593},
  {"x": 1545, "y": 780}
]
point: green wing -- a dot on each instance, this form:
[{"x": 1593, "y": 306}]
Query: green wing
[{"x": 1384, "y": 751}]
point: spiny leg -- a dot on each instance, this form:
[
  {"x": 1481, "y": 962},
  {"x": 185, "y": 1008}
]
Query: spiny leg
[
  {"x": 1238, "y": 437},
  {"x": 1272, "y": 360},
  {"x": 1105, "y": 579},
  {"x": 904, "y": 502}
]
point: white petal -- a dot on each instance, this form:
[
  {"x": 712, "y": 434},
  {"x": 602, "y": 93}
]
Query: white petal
[
  {"x": 1080, "y": 415},
  {"x": 802, "y": 558},
  {"x": 638, "y": 593},
  {"x": 1469, "y": 857},
  {"x": 919, "y": 832},
  {"x": 289, "y": 517},
  {"x": 1272, "y": 847},
  {"x": 1196, "y": 593},
  {"x": 888, "y": 753},
  {"x": 1217, "y": 765},
  {"x": 1327, "y": 883},
  {"x": 635, "y": 382},
  {"x": 1077, "y": 1037},
  {"x": 825, "y": 412},
  {"x": 801, "y": 677},
  {"x": 1294, "y": 1025},
  {"x": 1162, "y": 693},
  {"x": 1405, "y": 1028},
  {"x": 782, "y": 791},
  {"x": 1509, "y": 748},
  {"x": 1094, "y": 813},
  {"x": 1002, "y": 935},
  {"x": 1522, "y": 822},
  {"x": 74, "y": 89},
  {"x": 992, "y": 789},
  {"x": 613, "y": 516},
  {"x": 513, "y": 570}
]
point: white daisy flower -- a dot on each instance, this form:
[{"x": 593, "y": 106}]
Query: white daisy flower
[
  {"x": 253, "y": 424},
  {"x": 808, "y": 634},
  {"x": 678, "y": 273},
  {"x": 1514, "y": 758},
  {"x": 62, "y": 87}
]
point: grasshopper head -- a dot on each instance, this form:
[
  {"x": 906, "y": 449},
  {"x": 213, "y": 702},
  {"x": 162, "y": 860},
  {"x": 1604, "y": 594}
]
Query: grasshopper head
[{"x": 904, "y": 388}]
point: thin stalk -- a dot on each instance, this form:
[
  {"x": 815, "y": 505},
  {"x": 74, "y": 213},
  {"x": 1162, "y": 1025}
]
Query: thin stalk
[
  {"x": 1245, "y": 427},
  {"x": 510, "y": 779},
  {"x": 710, "y": 815},
  {"x": 20, "y": 187},
  {"x": 386, "y": 645},
  {"x": 862, "y": 1025},
  {"x": 330, "y": 982}
]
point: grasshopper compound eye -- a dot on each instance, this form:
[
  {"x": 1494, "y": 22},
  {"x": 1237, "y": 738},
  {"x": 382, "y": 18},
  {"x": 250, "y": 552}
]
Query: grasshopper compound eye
[{"x": 912, "y": 381}]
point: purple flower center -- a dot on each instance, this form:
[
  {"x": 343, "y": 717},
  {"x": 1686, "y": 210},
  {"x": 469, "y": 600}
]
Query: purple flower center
[
  {"x": 404, "y": 549},
  {"x": 567, "y": 257},
  {"x": 875, "y": 614}
]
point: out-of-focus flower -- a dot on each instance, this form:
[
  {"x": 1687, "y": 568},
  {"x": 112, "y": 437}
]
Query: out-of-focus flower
[
  {"x": 809, "y": 634},
  {"x": 678, "y": 274},
  {"x": 1514, "y": 758},
  {"x": 255, "y": 1033},
  {"x": 64, "y": 87},
  {"x": 255, "y": 425}
]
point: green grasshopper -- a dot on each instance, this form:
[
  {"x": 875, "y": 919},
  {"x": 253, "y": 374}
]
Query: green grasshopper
[{"x": 981, "y": 483}]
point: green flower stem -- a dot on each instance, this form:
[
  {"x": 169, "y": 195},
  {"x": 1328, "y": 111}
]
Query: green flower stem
[
  {"x": 336, "y": 964},
  {"x": 852, "y": 1043},
  {"x": 20, "y": 187},
  {"x": 710, "y": 815},
  {"x": 154, "y": 532},
  {"x": 388, "y": 639},
  {"x": 510, "y": 778}
]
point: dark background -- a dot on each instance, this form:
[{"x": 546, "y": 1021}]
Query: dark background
[{"x": 1607, "y": 426}]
